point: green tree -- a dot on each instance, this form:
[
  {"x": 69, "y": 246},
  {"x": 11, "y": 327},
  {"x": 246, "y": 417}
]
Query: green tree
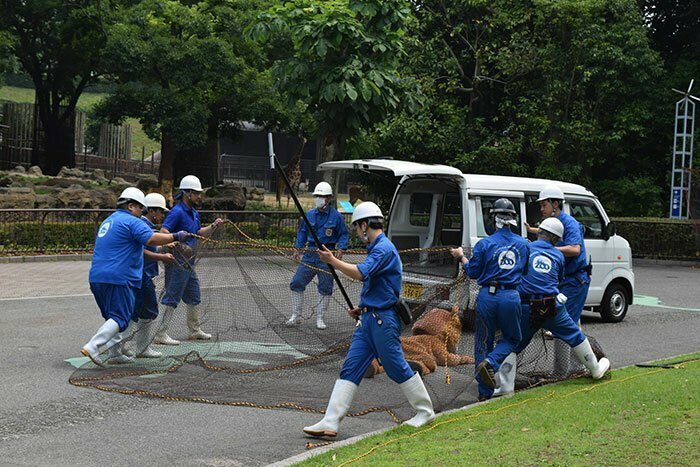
[
  {"x": 561, "y": 89},
  {"x": 343, "y": 62},
  {"x": 59, "y": 45},
  {"x": 186, "y": 71}
]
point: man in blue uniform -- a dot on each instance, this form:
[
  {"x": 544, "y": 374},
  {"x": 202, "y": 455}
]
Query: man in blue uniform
[
  {"x": 543, "y": 306},
  {"x": 181, "y": 282},
  {"x": 332, "y": 232},
  {"x": 146, "y": 300},
  {"x": 497, "y": 263},
  {"x": 117, "y": 266},
  {"x": 576, "y": 268},
  {"x": 378, "y": 330}
]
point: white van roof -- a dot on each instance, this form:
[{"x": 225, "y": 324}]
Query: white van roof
[
  {"x": 474, "y": 182},
  {"x": 498, "y": 182},
  {"x": 399, "y": 168}
]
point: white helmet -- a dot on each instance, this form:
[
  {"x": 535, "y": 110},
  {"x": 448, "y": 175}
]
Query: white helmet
[
  {"x": 132, "y": 193},
  {"x": 190, "y": 182},
  {"x": 156, "y": 200},
  {"x": 551, "y": 192},
  {"x": 323, "y": 189},
  {"x": 366, "y": 210},
  {"x": 553, "y": 226}
]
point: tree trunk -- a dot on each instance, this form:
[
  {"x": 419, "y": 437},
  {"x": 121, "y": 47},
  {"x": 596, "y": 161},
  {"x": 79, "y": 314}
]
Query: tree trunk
[
  {"x": 56, "y": 135},
  {"x": 165, "y": 171},
  {"x": 201, "y": 161},
  {"x": 332, "y": 149}
]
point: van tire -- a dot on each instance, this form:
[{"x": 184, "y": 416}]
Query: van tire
[{"x": 616, "y": 302}]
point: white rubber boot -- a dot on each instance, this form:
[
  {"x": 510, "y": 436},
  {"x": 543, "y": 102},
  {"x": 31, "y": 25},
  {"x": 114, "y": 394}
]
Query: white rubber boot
[
  {"x": 115, "y": 354},
  {"x": 162, "y": 336},
  {"x": 321, "y": 311},
  {"x": 194, "y": 318},
  {"x": 338, "y": 405},
  {"x": 143, "y": 342},
  {"x": 506, "y": 374},
  {"x": 585, "y": 355},
  {"x": 297, "y": 307},
  {"x": 418, "y": 397},
  {"x": 106, "y": 332}
]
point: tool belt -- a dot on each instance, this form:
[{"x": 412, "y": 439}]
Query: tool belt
[
  {"x": 541, "y": 309},
  {"x": 402, "y": 309},
  {"x": 494, "y": 286}
]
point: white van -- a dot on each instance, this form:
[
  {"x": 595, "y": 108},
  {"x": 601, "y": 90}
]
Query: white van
[{"x": 438, "y": 205}]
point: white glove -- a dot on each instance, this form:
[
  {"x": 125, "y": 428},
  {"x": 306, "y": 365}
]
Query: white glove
[{"x": 561, "y": 299}]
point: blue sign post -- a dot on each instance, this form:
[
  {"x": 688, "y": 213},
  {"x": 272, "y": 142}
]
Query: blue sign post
[{"x": 676, "y": 203}]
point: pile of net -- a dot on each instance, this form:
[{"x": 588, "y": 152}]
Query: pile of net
[{"x": 255, "y": 359}]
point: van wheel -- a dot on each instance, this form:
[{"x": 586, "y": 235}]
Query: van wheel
[{"x": 615, "y": 303}]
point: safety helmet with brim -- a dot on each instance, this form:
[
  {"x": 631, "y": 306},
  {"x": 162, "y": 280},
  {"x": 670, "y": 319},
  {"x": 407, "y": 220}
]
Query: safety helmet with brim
[
  {"x": 503, "y": 206},
  {"x": 156, "y": 200},
  {"x": 132, "y": 194},
  {"x": 366, "y": 211},
  {"x": 323, "y": 189},
  {"x": 190, "y": 182},
  {"x": 553, "y": 226},
  {"x": 551, "y": 192}
]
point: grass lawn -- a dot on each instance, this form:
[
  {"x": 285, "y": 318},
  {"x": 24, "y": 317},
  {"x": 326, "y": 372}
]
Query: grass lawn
[
  {"x": 640, "y": 416},
  {"x": 139, "y": 139}
]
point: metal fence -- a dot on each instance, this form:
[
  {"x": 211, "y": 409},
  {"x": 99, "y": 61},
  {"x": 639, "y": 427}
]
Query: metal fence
[{"x": 53, "y": 231}]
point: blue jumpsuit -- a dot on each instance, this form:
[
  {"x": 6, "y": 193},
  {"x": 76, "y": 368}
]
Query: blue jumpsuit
[
  {"x": 146, "y": 300},
  {"x": 378, "y": 336},
  {"x": 497, "y": 260},
  {"x": 117, "y": 265},
  {"x": 546, "y": 270},
  {"x": 182, "y": 283},
  {"x": 576, "y": 280},
  {"x": 332, "y": 232}
]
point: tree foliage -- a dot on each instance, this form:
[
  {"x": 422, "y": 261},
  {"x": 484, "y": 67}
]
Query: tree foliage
[
  {"x": 60, "y": 46},
  {"x": 344, "y": 62}
]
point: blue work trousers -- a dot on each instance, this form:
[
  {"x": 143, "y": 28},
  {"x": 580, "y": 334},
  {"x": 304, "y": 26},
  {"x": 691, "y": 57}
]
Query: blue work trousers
[
  {"x": 373, "y": 340},
  {"x": 500, "y": 310},
  {"x": 561, "y": 326},
  {"x": 305, "y": 274},
  {"x": 181, "y": 284},
  {"x": 576, "y": 290}
]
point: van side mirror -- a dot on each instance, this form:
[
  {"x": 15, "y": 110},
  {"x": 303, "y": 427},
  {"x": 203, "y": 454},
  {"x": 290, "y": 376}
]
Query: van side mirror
[{"x": 609, "y": 231}]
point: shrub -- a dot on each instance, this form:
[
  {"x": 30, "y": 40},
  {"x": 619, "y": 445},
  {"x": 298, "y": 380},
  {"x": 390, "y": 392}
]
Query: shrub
[{"x": 659, "y": 238}]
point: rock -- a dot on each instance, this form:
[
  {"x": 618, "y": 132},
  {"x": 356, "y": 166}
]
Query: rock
[
  {"x": 35, "y": 171},
  {"x": 303, "y": 187},
  {"x": 47, "y": 201},
  {"x": 68, "y": 172},
  {"x": 65, "y": 182},
  {"x": 119, "y": 181},
  {"x": 80, "y": 198},
  {"x": 17, "y": 198},
  {"x": 22, "y": 183},
  {"x": 75, "y": 197},
  {"x": 98, "y": 174},
  {"x": 6, "y": 180},
  {"x": 20, "y": 169},
  {"x": 224, "y": 204},
  {"x": 231, "y": 196},
  {"x": 146, "y": 182}
]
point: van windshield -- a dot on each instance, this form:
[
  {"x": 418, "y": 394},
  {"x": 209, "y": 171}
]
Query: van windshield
[{"x": 427, "y": 213}]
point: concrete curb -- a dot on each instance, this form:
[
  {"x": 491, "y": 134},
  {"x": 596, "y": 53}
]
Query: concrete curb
[
  {"x": 46, "y": 258},
  {"x": 318, "y": 451},
  {"x": 664, "y": 262}
]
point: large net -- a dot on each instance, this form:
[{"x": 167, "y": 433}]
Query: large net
[{"x": 256, "y": 359}]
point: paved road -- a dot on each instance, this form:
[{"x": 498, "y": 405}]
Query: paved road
[{"x": 46, "y": 421}]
